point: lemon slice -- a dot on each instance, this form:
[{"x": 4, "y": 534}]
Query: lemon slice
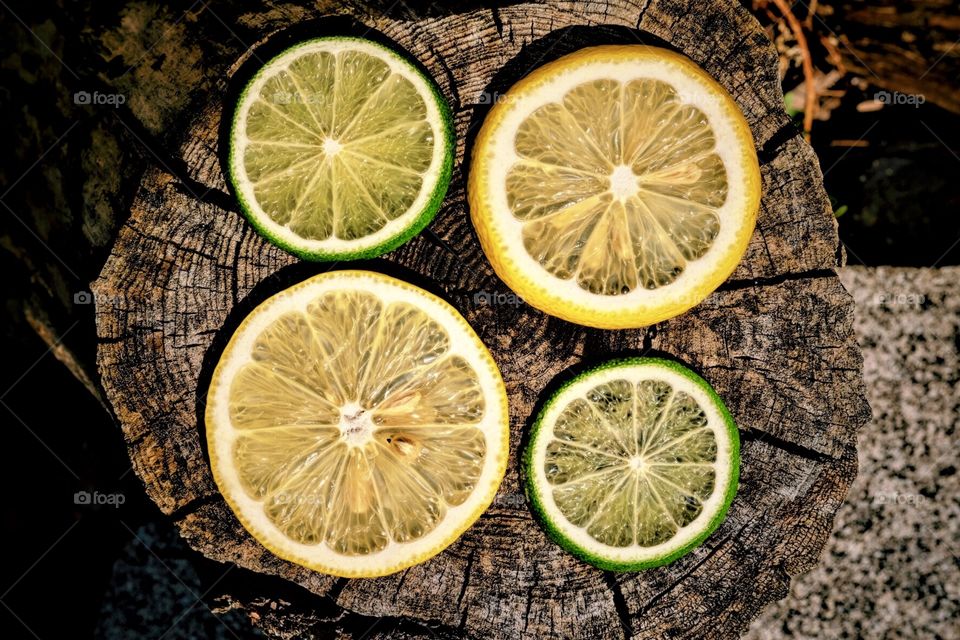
[
  {"x": 615, "y": 187},
  {"x": 356, "y": 424},
  {"x": 340, "y": 149},
  {"x": 633, "y": 464}
]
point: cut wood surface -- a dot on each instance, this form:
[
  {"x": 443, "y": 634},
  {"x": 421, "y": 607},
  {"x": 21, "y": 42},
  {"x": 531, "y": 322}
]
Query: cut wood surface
[{"x": 776, "y": 341}]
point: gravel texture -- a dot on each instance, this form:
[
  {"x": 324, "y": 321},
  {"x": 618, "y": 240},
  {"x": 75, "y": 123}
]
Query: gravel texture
[{"x": 891, "y": 569}]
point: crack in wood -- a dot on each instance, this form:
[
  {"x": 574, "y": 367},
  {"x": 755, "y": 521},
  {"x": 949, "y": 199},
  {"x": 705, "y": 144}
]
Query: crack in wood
[
  {"x": 451, "y": 79},
  {"x": 466, "y": 576},
  {"x": 678, "y": 581},
  {"x": 235, "y": 261},
  {"x": 648, "y": 337},
  {"x": 497, "y": 20},
  {"x": 439, "y": 242},
  {"x": 530, "y": 589},
  {"x": 754, "y": 283},
  {"x": 180, "y": 247},
  {"x": 108, "y": 340},
  {"x": 619, "y": 604},
  {"x": 463, "y": 590},
  {"x": 338, "y": 586},
  {"x": 194, "y": 505},
  {"x": 173, "y": 166},
  {"x": 777, "y": 142},
  {"x": 641, "y": 12},
  {"x": 754, "y": 435}
]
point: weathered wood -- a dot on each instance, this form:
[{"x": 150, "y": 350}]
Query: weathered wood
[{"x": 775, "y": 340}]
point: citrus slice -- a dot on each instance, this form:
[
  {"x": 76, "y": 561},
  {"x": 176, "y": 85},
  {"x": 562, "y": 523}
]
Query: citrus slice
[
  {"x": 356, "y": 424},
  {"x": 632, "y": 464},
  {"x": 340, "y": 149},
  {"x": 615, "y": 187}
]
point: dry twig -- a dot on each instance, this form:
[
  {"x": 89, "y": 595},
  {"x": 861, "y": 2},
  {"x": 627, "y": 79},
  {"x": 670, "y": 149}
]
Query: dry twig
[{"x": 810, "y": 103}]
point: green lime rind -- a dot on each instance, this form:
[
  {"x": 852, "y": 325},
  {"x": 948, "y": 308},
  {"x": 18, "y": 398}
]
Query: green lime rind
[
  {"x": 426, "y": 216},
  {"x": 554, "y": 532}
]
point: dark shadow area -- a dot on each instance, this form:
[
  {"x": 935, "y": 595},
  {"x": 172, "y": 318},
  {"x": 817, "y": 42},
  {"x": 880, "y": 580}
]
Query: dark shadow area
[
  {"x": 71, "y": 498},
  {"x": 892, "y": 175}
]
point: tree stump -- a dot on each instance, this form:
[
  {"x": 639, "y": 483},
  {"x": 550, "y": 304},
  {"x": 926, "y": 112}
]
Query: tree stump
[{"x": 775, "y": 341}]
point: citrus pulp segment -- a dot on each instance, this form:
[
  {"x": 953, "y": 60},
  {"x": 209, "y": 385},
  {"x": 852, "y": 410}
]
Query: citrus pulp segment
[
  {"x": 632, "y": 464},
  {"x": 340, "y": 149},
  {"x": 615, "y": 187},
  {"x": 356, "y": 424}
]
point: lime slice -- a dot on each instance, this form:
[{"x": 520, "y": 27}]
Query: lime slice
[
  {"x": 632, "y": 464},
  {"x": 356, "y": 424},
  {"x": 615, "y": 187},
  {"x": 340, "y": 149}
]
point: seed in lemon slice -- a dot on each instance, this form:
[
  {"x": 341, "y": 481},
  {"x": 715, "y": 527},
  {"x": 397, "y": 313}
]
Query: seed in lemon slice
[
  {"x": 615, "y": 187},
  {"x": 340, "y": 149},
  {"x": 356, "y": 424},
  {"x": 632, "y": 464}
]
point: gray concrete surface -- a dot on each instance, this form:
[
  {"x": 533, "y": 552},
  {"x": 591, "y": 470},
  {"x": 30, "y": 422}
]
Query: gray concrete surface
[{"x": 891, "y": 569}]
